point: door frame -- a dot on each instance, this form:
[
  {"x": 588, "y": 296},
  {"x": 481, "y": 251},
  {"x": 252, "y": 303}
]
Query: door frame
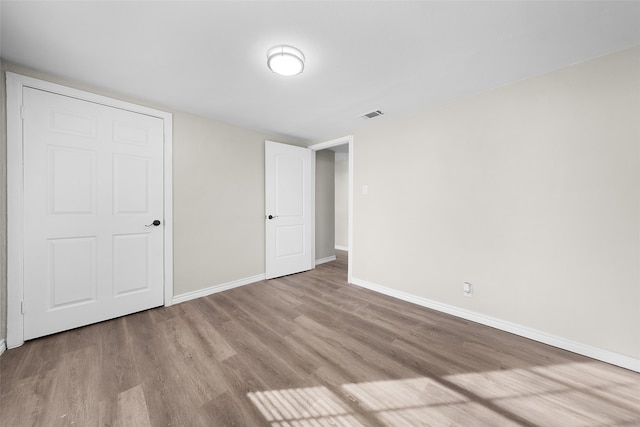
[
  {"x": 334, "y": 143},
  {"x": 15, "y": 195}
]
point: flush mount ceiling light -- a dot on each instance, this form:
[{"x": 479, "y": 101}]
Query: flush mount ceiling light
[{"x": 285, "y": 60}]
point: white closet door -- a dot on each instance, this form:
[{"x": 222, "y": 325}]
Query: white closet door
[{"x": 93, "y": 187}]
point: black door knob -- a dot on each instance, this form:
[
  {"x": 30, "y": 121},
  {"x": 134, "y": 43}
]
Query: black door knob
[
  {"x": 155, "y": 223},
  {"x": 271, "y": 217}
]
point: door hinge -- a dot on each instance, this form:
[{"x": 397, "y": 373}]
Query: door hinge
[
  {"x": 22, "y": 307},
  {"x": 22, "y": 112}
]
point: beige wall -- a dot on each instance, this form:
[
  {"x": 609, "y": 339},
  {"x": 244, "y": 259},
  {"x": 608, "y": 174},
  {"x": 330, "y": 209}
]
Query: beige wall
[
  {"x": 218, "y": 203},
  {"x": 325, "y": 204},
  {"x": 218, "y": 193},
  {"x": 530, "y": 192},
  {"x": 342, "y": 200}
]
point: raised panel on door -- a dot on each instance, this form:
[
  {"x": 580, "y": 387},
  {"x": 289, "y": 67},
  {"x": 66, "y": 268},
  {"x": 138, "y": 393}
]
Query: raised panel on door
[
  {"x": 72, "y": 272},
  {"x": 290, "y": 185},
  {"x": 131, "y": 184},
  {"x": 290, "y": 240},
  {"x": 93, "y": 180},
  {"x": 130, "y": 263},
  {"x": 72, "y": 181},
  {"x": 73, "y": 123},
  {"x": 126, "y": 132}
]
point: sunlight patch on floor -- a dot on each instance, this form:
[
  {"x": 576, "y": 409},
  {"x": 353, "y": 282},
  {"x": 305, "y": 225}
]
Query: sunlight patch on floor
[
  {"x": 420, "y": 400},
  {"x": 398, "y": 394},
  {"x": 459, "y": 414},
  {"x": 568, "y": 395},
  {"x": 303, "y": 407},
  {"x": 572, "y": 394}
]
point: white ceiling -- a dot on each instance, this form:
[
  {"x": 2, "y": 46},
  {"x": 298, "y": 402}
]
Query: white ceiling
[{"x": 209, "y": 58}]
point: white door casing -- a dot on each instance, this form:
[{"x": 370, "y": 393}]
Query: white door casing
[
  {"x": 288, "y": 209},
  {"x": 94, "y": 176}
]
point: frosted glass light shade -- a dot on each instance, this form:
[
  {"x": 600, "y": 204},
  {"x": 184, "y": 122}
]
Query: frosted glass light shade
[{"x": 285, "y": 60}]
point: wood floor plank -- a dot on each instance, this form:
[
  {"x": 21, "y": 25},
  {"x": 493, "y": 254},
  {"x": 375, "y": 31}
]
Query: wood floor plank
[
  {"x": 118, "y": 368},
  {"x": 83, "y": 376},
  {"x": 165, "y": 394},
  {"x": 259, "y": 301},
  {"x": 32, "y": 394},
  {"x": 257, "y": 357},
  {"x": 210, "y": 341},
  {"x": 349, "y": 355},
  {"x": 209, "y": 309},
  {"x": 192, "y": 365},
  {"x": 306, "y": 350},
  {"x": 230, "y": 409},
  {"x": 132, "y": 409},
  {"x": 29, "y": 362},
  {"x": 279, "y": 347},
  {"x": 108, "y": 415}
]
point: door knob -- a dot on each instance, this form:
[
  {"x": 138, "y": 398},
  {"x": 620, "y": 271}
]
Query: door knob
[
  {"x": 155, "y": 223},
  {"x": 272, "y": 216}
]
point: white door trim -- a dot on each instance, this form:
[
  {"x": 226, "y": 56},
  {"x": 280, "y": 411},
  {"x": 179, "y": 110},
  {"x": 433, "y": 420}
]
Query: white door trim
[
  {"x": 334, "y": 143},
  {"x": 15, "y": 196}
]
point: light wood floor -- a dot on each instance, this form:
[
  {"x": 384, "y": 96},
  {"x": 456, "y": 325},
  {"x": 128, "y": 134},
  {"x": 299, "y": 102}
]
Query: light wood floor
[{"x": 306, "y": 350}]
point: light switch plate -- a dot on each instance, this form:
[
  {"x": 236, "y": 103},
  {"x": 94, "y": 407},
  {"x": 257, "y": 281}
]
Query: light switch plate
[{"x": 467, "y": 289}]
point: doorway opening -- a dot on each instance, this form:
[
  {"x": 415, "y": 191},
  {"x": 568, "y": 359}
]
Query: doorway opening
[{"x": 343, "y": 148}]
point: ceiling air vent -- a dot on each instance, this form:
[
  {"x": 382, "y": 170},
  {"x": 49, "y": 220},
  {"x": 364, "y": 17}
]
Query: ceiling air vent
[{"x": 372, "y": 114}]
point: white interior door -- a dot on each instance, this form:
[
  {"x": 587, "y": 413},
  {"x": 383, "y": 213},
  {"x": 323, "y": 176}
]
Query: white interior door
[
  {"x": 93, "y": 187},
  {"x": 288, "y": 216}
]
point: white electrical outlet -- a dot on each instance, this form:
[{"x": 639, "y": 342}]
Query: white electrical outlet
[{"x": 467, "y": 289}]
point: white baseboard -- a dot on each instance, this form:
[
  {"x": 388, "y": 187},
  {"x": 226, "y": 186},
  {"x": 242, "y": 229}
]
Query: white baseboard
[
  {"x": 342, "y": 248},
  {"x": 216, "y": 288},
  {"x": 3, "y": 346},
  {"x": 523, "y": 331},
  {"x": 327, "y": 259}
]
